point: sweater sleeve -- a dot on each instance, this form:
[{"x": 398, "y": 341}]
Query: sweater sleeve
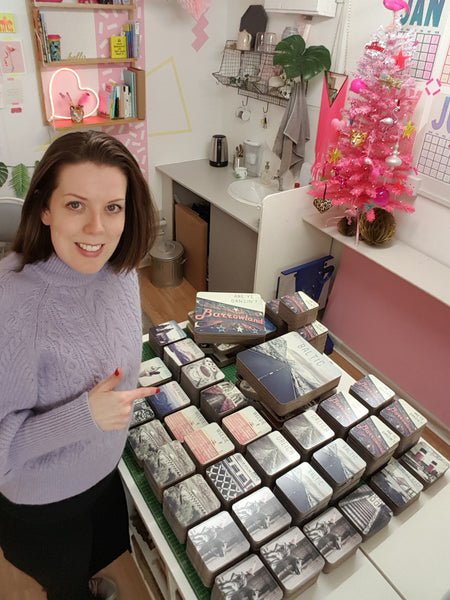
[
  {"x": 25, "y": 435},
  {"x": 28, "y": 431}
]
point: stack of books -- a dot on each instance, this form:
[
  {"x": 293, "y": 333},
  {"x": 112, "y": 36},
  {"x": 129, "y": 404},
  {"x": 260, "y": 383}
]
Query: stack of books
[
  {"x": 287, "y": 372},
  {"x": 125, "y": 99},
  {"x": 128, "y": 44},
  {"x": 229, "y": 318}
]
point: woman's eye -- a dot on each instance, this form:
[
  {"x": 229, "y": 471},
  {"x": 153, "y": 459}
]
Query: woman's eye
[
  {"x": 75, "y": 205},
  {"x": 113, "y": 208}
]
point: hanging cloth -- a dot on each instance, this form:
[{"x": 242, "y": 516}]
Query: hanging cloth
[
  {"x": 334, "y": 93},
  {"x": 293, "y": 133}
]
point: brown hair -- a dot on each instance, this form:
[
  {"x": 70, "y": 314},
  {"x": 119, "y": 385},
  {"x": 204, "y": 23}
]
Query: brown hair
[{"x": 33, "y": 241}]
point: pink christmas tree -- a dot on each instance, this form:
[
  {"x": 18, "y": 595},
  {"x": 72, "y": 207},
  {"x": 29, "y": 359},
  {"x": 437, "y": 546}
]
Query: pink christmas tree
[{"x": 370, "y": 153}]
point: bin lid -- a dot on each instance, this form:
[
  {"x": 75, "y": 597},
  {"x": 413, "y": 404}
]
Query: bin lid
[{"x": 167, "y": 250}]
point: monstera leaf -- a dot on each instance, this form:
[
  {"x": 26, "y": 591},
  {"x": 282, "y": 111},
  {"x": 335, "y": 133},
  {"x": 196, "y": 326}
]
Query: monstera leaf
[{"x": 299, "y": 61}]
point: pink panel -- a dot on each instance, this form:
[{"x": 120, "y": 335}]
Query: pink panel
[
  {"x": 133, "y": 135},
  {"x": 401, "y": 330}
]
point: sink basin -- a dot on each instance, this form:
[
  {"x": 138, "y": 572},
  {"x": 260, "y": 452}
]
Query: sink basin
[{"x": 250, "y": 191}]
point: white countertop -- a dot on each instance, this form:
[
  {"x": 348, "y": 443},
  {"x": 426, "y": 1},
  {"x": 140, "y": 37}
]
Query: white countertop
[
  {"x": 405, "y": 261},
  {"x": 211, "y": 183}
]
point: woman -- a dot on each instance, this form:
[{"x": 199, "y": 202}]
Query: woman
[{"x": 70, "y": 352}]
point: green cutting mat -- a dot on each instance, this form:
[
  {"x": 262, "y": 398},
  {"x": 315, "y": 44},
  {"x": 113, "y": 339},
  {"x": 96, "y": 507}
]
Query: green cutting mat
[{"x": 179, "y": 550}]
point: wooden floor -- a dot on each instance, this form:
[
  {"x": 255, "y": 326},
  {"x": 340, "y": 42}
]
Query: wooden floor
[{"x": 160, "y": 304}]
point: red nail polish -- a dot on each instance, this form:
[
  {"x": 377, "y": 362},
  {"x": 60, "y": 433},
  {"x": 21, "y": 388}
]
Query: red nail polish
[
  {"x": 116, "y": 372},
  {"x": 157, "y": 391}
]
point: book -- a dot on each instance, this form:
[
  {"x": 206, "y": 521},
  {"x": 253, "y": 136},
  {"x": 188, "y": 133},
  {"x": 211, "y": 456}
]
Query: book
[
  {"x": 298, "y": 310},
  {"x": 293, "y": 560},
  {"x": 287, "y": 372},
  {"x": 250, "y": 578},
  {"x": 118, "y": 46},
  {"x": 229, "y": 317},
  {"x": 140, "y": 95},
  {"x": 334, "y": 536},
  {"x": 129, "y": 78}
]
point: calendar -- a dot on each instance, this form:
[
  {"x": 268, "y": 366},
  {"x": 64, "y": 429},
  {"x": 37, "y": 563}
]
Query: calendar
[{"x": 433, "y": 162}]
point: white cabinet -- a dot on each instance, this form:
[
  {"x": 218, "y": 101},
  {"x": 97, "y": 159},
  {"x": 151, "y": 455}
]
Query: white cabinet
[{"x": 322, "y": 8}]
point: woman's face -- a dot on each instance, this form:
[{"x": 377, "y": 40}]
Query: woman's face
[{"x": 86, "y": 214}]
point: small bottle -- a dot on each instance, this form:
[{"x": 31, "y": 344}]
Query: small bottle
[{"x": 265, "y": 178}]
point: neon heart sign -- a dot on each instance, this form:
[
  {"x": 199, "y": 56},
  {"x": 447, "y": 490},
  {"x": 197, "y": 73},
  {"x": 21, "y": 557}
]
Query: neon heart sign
[{"x": 64, "y": 89}]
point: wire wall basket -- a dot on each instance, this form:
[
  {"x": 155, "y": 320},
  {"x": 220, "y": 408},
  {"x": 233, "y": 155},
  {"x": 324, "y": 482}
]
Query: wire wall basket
[{"x": 250, "y": 72}]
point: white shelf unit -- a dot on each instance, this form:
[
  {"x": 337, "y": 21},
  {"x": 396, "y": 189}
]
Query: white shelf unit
[
  {"x": 44, "y": 67},
  {"x": 404, "y": 261}
]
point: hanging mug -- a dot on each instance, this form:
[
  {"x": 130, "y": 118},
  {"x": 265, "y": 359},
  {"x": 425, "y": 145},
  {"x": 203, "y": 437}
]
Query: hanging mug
[{"x": 244, "y": 40}]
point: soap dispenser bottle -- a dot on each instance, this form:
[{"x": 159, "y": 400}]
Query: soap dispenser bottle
[{"x": 265, "y": 178}]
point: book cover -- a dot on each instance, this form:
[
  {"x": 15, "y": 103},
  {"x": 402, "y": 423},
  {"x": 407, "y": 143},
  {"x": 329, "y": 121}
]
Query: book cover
[
  {"x": 334, "y": 537},
  {"x": 366, "y": 511},
  {"x": 153, "y": 372},
  {"x": 118, "y": 45},
  {"x": 342, "y": 411},
  {"x": 307, "y": 432},
  {"x": 214, "y": 545},
  {"x": 396, "y": 486},
  {"x": 248, "y": 579},
  {"x": 287, "y": 372},
  {"x": 140, "y": 93},
  {"x": 425, "y": 462},
  {"x": 245, "y": 426},
  {"x": 232, "y": 477},
  {"x": 169, "y": 399},
  {"x": 298, "y": 309},
  {"x": 304, "y": 491},
  {"x": 372, "y": 392},
  {"x": 403, "y": 418},
  {"x": 272, "y": 455},
  {"x": 185, "y": 421},
  {"x": 142, "y": 413},
  {"x": 294, "y": 561},
  {"x": 338, "y": 463},
  {"x": 229, "y": 317},
  {"x": 129, "y": 78},
  {"x": 261, "y": 516},
  {"x": 220, "y": 400}
]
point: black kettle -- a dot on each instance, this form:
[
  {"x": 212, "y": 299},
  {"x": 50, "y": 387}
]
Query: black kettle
[{"x": 219, "y": 151}]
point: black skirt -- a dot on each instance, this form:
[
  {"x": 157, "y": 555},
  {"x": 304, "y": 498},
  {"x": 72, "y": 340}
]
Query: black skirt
[{"x": 62, "y": 544}]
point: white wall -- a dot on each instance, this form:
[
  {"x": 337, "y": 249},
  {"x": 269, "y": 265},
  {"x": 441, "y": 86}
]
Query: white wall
[{"x": 186, "y": 105}]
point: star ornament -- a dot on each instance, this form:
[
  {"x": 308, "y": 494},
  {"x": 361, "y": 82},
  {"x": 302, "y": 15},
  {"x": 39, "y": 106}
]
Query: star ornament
[
  {"x": 335, "y": 155},
  {"x": 409, "y": 129},
  {"x": 400, "y": 59}
]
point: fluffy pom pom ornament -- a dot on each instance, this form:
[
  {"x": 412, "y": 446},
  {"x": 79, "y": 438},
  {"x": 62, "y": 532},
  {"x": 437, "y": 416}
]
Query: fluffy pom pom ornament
[{"x": 380, "y": 230}]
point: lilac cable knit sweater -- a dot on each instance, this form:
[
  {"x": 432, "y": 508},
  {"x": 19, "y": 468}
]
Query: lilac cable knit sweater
[{"x": 61, "y": 332}]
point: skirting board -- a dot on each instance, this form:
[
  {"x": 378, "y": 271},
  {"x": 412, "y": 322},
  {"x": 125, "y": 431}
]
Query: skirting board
[{"x": 363, "y": 365}]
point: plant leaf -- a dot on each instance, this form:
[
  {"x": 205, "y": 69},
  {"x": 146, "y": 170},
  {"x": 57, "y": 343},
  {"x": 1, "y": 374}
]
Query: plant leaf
[
  {"x": 297, "y": 60},
  {"x": 20, "y": 180},
  {"x": 3, "y": 173}
]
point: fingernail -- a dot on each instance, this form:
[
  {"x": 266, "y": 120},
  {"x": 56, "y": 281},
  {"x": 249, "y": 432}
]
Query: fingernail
[
  {"x": 157, "y": 391},
  {"x": 116, "y": 372}
]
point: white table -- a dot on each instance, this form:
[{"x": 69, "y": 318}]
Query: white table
[{"x": 409, "y": 559}]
